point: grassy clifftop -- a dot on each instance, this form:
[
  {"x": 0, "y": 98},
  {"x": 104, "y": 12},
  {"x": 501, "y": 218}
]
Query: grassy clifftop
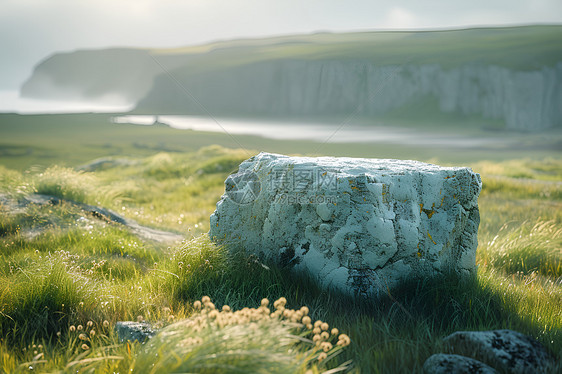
[{"x": 519, "y": 48}]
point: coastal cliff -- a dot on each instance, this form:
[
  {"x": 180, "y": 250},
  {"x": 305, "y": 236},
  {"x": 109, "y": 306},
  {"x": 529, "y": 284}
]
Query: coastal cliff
[
  {"x": 524, "y": 100},
  {"x": 511, "y": 77}
]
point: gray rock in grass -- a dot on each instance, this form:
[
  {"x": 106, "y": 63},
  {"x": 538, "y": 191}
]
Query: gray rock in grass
[
  {"x": 506, "y": 350},
  {"x": 134, "y": 331},
  {"x": 454, "y": 364}
]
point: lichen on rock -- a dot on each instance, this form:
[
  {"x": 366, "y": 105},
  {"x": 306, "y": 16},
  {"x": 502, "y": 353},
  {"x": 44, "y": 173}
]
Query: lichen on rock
[
  {"x": 357, "y": 225},
  {"x": 506, "y": 350},
  {"x": 449, "y": 363}
]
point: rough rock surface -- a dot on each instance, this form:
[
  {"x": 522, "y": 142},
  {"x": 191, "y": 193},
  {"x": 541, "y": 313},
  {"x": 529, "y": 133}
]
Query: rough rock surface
[
  {"x": 446, "y": 364},
  {"x": 358, "y": 225},
  {"x": 506, "y": 350},
  {"x": 134, "y": 331}
]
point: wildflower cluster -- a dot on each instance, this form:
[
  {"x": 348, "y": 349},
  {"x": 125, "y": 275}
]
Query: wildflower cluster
[
  {"x": 84, "y": 335},
  {"x": 35, "y": 349},
  {"x": 326, "y": 342}
]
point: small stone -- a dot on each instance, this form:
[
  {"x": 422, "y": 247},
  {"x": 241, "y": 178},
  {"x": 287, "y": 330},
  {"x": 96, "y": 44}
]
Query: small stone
[
  {"x": 447, "y": 364},
  {"x": 134, "y": 331},
  {"x": 506, "y": 350}
]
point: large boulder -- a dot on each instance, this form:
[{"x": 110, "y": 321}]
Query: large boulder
[
  {"x": 506, "y": 350},
  {"x": 357, "y": 225}
]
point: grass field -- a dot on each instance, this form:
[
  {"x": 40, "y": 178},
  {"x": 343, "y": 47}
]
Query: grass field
[
  {"x": 387, "y": 48},
  {"x": 74, "y": 139},
  {"x": 65, "y": 273}
]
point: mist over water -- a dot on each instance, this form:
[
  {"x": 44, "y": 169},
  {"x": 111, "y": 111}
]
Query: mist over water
[
  {"x": 11, "y": 102},
  {"x": 320, "y": 132}
]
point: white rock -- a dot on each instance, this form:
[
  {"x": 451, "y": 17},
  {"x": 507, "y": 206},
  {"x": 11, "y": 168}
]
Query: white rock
[{"x": 358, "y": 225}]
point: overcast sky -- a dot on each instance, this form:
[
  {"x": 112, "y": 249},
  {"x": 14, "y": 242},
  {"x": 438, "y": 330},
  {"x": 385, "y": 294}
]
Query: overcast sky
[{"x": 30, "y": 30}]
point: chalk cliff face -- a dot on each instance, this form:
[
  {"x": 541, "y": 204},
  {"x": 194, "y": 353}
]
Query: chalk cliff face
[{"x": 524, "y": 100}]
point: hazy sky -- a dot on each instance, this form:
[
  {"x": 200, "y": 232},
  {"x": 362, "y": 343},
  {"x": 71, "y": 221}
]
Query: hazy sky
[{"x": 30, "y": 30}]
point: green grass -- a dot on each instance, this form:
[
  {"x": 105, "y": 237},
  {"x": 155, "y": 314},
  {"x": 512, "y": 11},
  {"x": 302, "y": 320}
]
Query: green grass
[
  {"x": 521, "y": 47},
  {"x": 35, "y": 142},
  {"x": 526, "y": 248},
  {"x": 61, "y": 267}
]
